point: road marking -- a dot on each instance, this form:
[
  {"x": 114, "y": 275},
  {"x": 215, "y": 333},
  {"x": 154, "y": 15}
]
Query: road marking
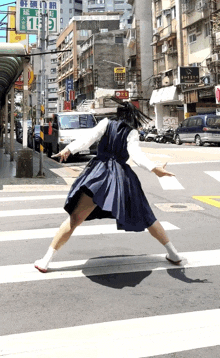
[
  {"x": 80, "y": 231},
  {"x": 170, "y": 183},
  {"x": 214, "y": 174},
  {"x": 210, "y": 200},
  {"x": 29, "y": 212},
  {"x": 105, "y": 266},
  {"x": 29, "y": 198},
  {"x": 131, "y": 338},
  {"x": 28, "y": 188}
]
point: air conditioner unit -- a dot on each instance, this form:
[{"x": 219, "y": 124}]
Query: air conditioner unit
[
  {"x": 79, "y": 73},
  {"x": 164, "y": 48},
  {"x": 216, "y": 57},
  {"x": 83, "y": 70}
]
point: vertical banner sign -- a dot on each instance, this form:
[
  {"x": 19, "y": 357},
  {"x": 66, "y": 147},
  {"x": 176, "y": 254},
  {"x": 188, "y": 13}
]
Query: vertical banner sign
[
  {"x": 69, "y": 87},
  {"x": 28, "y": 18},
  {"x": 12, "y": 36}
]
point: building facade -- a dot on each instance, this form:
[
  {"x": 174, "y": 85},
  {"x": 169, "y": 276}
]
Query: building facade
[
  {"x": 68, "y": 9},
  {"x": 186, "y": 58},
  {"x": 110, "y": 6},
  {"x": 76, "y": 73}
]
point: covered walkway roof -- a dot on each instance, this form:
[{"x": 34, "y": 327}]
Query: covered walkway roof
[{"x": 12, "y": 58}]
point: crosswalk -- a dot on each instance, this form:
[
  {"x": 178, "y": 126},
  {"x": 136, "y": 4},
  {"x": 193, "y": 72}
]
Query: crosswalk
[{"x": 142, "y": 336}]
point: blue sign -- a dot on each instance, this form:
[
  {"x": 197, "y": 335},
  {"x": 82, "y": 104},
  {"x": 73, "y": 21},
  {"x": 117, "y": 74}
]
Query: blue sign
[{"x": 69, "y": 86}]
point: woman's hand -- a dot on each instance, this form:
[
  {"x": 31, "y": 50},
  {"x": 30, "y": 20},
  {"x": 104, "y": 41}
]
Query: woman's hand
[
  {"x": 161, "y": 171},
  {"x": 64, "y": 154}
]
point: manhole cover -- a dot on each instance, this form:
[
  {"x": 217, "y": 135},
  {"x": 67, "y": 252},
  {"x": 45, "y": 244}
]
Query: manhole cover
[{"x": 178, "y": 206}]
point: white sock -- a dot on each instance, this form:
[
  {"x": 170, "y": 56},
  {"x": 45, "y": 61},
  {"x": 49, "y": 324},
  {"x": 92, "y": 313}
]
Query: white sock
[
  {"x": 172, "y": 252},
  {"x": 44, "y": 262}
]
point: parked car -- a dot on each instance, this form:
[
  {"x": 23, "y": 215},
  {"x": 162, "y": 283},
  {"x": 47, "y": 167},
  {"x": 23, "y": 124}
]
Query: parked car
[
  {"x": 199, "y": 129},
  {"x": 68, "y": 126},
  {"x": 34, "y": 137}
]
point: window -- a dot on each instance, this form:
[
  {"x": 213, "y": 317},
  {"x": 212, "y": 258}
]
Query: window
[
  {"x": 159, "y": 21},
  {"x": 70, "y": 11},
  {"x": 207, "y": 29},
  {"x": 103, "y": 30},
  {"x": 70, "y": 1},
  {"x": 61, "y": 20},
  {"x": 53, "y": 70},
  {"x": 192, "y": 38},
  {"x": 184, "y": 123},
  {"x": 199, "y": 122},
  {"x": 192, "y": 122},
  {"x": 118, "y": 39},
  {"x": 173, "y": 12}
]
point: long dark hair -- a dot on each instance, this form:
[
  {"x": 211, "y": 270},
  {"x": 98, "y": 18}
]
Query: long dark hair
[{"x": 132, "y": 116}]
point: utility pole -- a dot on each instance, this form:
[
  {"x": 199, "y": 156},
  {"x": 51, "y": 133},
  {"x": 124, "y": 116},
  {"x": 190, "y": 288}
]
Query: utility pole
[{"x": 43, "y": 48}]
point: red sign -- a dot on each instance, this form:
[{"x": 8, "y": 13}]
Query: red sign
[
  {"x": 67, "y": 106},
  {"x": 122, "y": 94},
  {"x": 72, "y": 95},
  {"x": 217, "y": 93}
]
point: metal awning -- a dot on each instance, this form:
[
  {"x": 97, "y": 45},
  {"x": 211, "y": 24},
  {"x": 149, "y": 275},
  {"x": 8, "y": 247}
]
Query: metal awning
[
  {"x": 12, "y": 57},
  {"x": 165, "y": 95}
]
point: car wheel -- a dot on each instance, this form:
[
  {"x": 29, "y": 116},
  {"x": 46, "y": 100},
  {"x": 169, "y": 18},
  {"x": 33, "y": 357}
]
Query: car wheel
[
  {"x": 198, "y": 140},
  {"x": 177, "y": 140}
]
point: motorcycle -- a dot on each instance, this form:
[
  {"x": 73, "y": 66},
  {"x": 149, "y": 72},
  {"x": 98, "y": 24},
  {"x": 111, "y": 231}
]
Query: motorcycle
[
  {"x": 151, "y": 135},
  {"x": 166, "y": 135},
  {"x": 142, "y": 135}
]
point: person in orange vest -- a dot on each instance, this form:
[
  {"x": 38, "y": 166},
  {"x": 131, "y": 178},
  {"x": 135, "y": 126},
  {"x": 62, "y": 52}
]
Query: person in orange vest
[{"x": 50, "y": 129}]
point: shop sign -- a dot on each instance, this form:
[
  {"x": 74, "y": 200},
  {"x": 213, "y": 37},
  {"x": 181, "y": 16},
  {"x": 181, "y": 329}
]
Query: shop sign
[
  {"x": 206, "y": 93},
  {"x": 122, "y": 94},
  {"x": 67, "y": 105},
  {"x": 217, "y": 94},
  {"x": 188, "y": 75}
]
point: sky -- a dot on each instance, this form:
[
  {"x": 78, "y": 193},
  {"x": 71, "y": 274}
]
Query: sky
[{"x": 7, "y": 3}]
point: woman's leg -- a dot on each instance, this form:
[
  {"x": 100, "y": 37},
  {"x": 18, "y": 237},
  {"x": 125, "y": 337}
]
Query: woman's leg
[
  {"x": 84, "y": 207},
  {"x": 157, "y": 231}
]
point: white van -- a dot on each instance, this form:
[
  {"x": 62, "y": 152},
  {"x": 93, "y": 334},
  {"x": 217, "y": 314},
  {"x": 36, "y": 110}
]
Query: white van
[{"x": 68, "y": 126}]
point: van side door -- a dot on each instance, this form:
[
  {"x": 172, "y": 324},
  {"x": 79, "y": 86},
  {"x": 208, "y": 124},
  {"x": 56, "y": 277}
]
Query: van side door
[
  {"x": 192, "y": 129},
  {"x": 183, "y": 130}
]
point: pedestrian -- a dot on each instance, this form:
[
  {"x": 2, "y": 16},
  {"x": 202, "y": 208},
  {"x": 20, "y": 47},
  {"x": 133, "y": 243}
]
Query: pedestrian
[{"x": 108, "y": 187}]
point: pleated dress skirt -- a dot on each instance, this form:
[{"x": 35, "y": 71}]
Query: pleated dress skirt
[{"x": 112, "y": 184}]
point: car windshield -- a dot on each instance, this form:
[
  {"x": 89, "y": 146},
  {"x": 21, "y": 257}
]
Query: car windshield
[
  {"x": 213, "y": 121},
  {"x": 76, "y": 121}
]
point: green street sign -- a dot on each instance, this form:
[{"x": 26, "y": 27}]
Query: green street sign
[{"x": 28, "y": 16}]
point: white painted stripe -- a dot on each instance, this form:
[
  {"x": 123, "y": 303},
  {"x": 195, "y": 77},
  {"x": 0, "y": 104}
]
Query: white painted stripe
[
  {"x": 32, "y": 187},
  {"x": 170, "y": 183},
  {"x": 30, "y": 198},
  {"x": 29, "y": 212},
  {"x": 195, "y": 162},
  {"x": 104, "y": 266},
  {"x": 80, "y": 231},
  {"x": 214, "y": 174},
  {"x": 132, "y": 338}
]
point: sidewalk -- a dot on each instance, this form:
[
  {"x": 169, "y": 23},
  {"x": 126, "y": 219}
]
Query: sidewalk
[{"x": 54, "y": 173}]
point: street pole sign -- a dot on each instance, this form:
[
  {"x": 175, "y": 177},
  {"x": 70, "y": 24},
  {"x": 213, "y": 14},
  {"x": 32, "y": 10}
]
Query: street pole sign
[{"x": 28, "y": 16}]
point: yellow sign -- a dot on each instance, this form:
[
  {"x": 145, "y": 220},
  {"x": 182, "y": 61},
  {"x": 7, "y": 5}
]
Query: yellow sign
[
  {"x": 119, "y": 70},
  {"x": 210, "y": 200},
  {"x": 12, "y": 35}
]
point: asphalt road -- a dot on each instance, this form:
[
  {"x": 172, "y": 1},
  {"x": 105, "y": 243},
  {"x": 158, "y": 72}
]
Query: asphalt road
[{"x": 114, "y": 278}]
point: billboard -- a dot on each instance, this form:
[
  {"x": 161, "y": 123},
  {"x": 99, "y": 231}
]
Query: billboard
[
  {"x": 188, "y": 75},
  {"x": 13, "y": 36},
  {"x": 28, "y": 16}
]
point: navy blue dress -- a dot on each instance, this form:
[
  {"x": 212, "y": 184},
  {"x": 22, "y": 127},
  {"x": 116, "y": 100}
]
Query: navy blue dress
[{"x": 114, "y": 187}]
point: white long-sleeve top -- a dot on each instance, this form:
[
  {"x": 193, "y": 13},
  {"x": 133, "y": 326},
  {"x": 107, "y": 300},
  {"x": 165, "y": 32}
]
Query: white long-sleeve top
[{"x": 96, "y": 133}]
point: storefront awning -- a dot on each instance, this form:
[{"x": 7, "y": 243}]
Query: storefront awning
[
  {"x": 165, "y": 95},
  {"x": 12, "y": 57}
]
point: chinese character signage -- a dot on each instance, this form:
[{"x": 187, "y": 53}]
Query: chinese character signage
[
  {"x": 188, "y": 75},
  {"x": 119, "y": 74},
  {"x": 28, "y": 16},
  {"x": 217, "y": 94},
  {"x": 13, "y": 36},
  {"x": 122, "y": 94}
]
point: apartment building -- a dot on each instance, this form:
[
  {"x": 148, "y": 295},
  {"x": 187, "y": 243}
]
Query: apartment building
[
  {"x": 110, "y": 6},
  {"x": 185, "y": 55},
  {"x": 68, "y": 9},
  {"x": 71, "y": 76},
  {"x": 139, "y": 53}
]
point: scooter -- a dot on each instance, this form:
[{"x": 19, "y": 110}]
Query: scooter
[
  {"x": 151, "y": 135},
  {"x": 142, "y": 135},
  {"x": 166, "y": 135}
]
